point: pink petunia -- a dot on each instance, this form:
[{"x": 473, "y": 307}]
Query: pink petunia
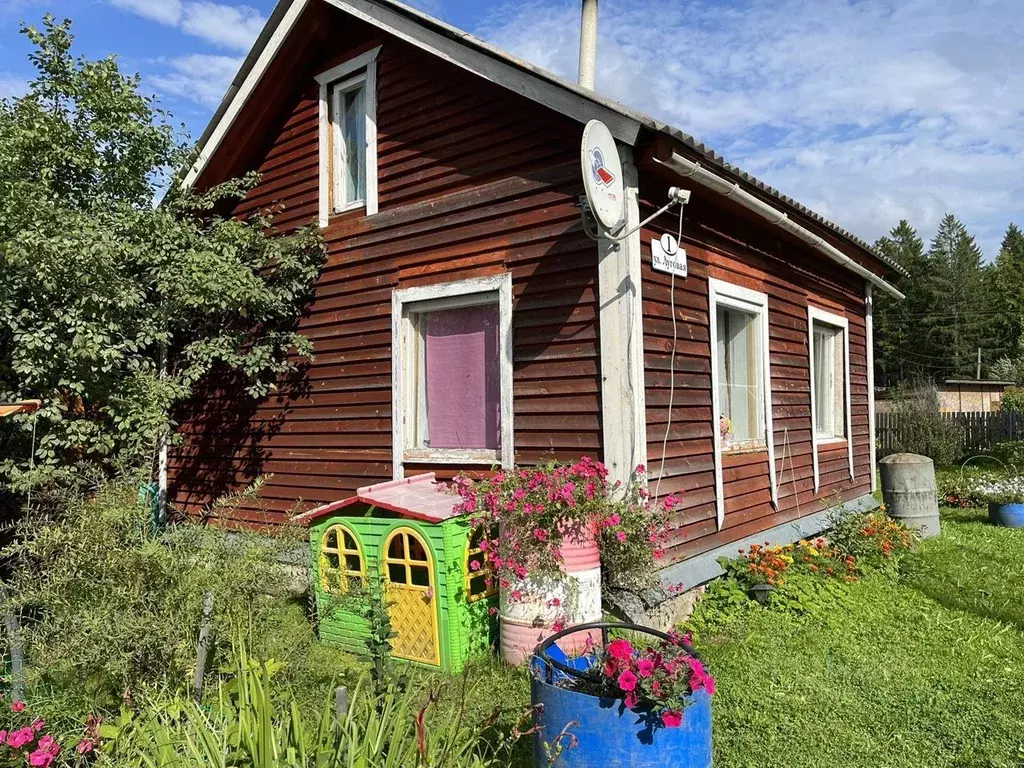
[
  {"x": 620, "y": 648},
  {"x": 671, "y": 719},
  {"x": 18, "y": 706},
  {"x": 38, "y": 725},
  {"x": 631, "y": 700},
  {"x": 474, "y": 565},
  {"x": 18, "y": 739},
  {"x": 645, "y": 667},
  {"x": 627, "y": 681},
  {"x": 621, "y": 535},
  {"x": 85, "y": 746},
  {"x": 42, "y": 758}
]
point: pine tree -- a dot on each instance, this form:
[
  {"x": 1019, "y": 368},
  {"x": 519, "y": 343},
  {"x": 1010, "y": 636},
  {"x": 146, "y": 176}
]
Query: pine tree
[
  {"x": 898, "y": 337},
  {"x": 1008, "y": 294},
  {"x": 959, "y": 318}
]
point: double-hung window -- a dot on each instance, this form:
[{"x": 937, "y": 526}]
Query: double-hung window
[
  {"x": 348, "y": 136},
  {"x": 829, "y": 364},
  {"x": 452, "y": 373},
  {"x": 740, "y": 380}
]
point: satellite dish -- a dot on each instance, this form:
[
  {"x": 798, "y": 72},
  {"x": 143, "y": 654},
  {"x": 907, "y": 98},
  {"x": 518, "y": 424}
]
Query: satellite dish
[{"x": 602, "y": 176}]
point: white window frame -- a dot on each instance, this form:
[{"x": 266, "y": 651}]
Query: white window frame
[
  {"x": 359, "y": 70},
  {"x": 723, "y": 294},
  {"x": 496, "y": 289},
  {"x": 816, "y": 315}
]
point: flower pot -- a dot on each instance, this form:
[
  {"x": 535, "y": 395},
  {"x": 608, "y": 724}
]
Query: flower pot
[
  {"x": 762, "y": 593},
  {"x": 573, "y": 597},
  {"x": 578, "y": 730},
  {"x": 1006, "y": 515}
]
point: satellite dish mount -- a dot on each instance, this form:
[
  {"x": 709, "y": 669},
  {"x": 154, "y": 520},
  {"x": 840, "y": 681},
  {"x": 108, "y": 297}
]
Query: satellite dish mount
[{"x": 605, "y": 199}]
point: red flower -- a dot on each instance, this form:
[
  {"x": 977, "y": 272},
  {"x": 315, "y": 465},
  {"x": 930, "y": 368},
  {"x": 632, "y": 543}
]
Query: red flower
[
  {"x": 627, "y": 681},
  {"x": 645, "y": 667},
  {"x": 671, "y": 719},
  {"x": 18, "y": 706},
  {"x": 620, "y": 648}
]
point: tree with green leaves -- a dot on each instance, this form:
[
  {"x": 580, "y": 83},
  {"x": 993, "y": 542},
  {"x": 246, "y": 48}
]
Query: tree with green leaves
[
  {"x": 960, "y": 318},
  {"x": 112, "y": 308},
  {"x": 1008, "y": 302},
  {"x": 898, "y": 337}
]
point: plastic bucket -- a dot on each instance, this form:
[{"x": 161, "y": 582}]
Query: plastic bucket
[
  {"x": 1006, "y": 515},
  {"x": 573, "y": 597}
]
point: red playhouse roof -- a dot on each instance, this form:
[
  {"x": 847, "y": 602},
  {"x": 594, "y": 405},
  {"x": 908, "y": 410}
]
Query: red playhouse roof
[{"x": 420, "y": 497}]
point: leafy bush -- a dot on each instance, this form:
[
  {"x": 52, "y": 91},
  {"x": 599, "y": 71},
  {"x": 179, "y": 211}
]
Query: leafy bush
[
  {"x": 873, "y": 541},
  {"x": 110, "y": 604},
  {"x": 1012, "y": 400},
  {"x": 1010, "y": 453},
  {"x": 922, "y": 428}
]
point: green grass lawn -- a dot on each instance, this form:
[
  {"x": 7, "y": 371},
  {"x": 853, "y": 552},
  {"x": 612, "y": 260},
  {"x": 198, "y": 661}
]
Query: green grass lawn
[{"x": 926, "y": 670}]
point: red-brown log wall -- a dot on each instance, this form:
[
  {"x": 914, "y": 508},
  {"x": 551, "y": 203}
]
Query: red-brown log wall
[
  {"x": 728, "y": 245},
  {"x": 474, "y": 180}
]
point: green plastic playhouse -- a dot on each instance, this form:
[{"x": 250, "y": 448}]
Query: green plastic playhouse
[{"x": 403, "y": 538}]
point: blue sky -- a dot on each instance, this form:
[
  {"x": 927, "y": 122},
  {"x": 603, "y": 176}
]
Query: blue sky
[{"x": 865, "y": 110}]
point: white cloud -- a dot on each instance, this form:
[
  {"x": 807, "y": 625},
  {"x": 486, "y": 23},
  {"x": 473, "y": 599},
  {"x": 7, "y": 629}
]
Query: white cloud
[
  {"x": 11, "y": 86},
  {"x": 167, "y": 12},
  {"x": 201, "y": 78},
  {"x": 866, "y": 112},
  {"x": 229, "y": 26}
]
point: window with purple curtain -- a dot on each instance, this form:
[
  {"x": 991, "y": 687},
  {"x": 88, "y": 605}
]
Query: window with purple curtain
[{"x": 461, "y": 378}]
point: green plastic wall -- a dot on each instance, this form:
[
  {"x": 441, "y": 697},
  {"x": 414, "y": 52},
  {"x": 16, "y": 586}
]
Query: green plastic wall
[{"x": 464, "y": 629}]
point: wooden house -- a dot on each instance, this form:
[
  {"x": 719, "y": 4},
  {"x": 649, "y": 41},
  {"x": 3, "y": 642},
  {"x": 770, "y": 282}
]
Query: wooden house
[{"x": 464, "y": 318}]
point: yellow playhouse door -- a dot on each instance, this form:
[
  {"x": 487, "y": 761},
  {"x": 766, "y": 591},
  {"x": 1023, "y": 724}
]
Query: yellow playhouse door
[{"x": 409, "y": 581}]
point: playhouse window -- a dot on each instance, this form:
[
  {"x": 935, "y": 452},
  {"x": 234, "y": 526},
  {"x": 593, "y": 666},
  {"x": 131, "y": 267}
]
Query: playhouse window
[
  {"x": 828, "y": 379},
  {"x": 454, "y": 394},
  {"x": 740, "y": 379},
  {"x": 340, "y": 559},
  {"x": 407, "y": 560},
  {"x": 348, "y": 136},
  {"x": 480, "y": 581}
]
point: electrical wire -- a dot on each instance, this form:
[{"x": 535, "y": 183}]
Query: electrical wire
[{"x": 672, "y": 360}]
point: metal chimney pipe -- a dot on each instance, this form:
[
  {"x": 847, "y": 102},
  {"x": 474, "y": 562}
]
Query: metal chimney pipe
[{"x": 588, "y": 43}]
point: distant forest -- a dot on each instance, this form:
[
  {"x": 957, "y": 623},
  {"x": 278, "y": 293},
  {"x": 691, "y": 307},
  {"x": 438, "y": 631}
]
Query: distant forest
[{"x": 955, "y": 306}]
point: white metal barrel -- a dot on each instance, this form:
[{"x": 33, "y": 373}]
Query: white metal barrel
[{"x": 908, "y": 488}]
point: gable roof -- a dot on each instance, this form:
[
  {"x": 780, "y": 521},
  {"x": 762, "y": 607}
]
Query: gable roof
[
  {"x": 481, "y": 58},
  {"x": 419, "y": 497}
]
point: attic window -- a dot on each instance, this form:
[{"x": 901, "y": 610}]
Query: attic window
[{"x": 348, "y": 136}]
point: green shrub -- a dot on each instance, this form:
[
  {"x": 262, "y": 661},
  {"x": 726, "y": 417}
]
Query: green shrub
[
  {"x": 1012, "y": 400},
  {"x": 921, "y": 427},
  {"x": 111, "y": 605},
  {"x": 1010, "y": 453}
]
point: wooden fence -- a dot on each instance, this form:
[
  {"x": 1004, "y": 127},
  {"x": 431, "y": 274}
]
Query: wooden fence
[{"x": 980, "y": 431}]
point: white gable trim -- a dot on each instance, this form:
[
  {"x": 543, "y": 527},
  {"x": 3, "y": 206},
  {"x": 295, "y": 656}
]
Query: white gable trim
[
  {"x": 820, "y": 315},
  {"x": 245, "y": 91},
  {"x": 495, "y": 68},
  {"x": 368, "y": 61},
  {"x": 501, "y": 285},
  {"x": 726, "y": 294}
]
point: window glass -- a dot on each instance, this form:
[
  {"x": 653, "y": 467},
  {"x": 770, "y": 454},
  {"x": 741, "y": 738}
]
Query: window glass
[
  {"x": 339, "y": 564},
  {"x": 420, "y": 575},
  {"x": 348, "y": 118},
  {"x": 828, "y": 379},
  {"x": 353, "y": 124},
  {"x": 457, "y": 379},
  {"x": 396, "y": 549},
  {"x": 740, "y": 385},
  {"x": 396, "y": 573},
  {"x": 480, "y": 582}
]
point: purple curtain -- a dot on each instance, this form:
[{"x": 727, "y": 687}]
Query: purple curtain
[{"x": 463, "y": 378}]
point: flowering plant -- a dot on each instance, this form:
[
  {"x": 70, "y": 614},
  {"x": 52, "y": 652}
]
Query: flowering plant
[
  {"x": 1001, "y": 490},
  {"x": 526, "y": 516},
  {"x": 657, "y": 679},
  {"x": 24, "y": 742}
]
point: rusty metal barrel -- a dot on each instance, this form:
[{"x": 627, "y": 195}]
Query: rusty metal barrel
[{"x": 908, "y": 488}]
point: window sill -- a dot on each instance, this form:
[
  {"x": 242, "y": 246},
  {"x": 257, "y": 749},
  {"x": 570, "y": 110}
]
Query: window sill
[
  {"x": 830, "y": 440},
  {"x": 758, "y": 446},
  {"x": 450, "y": 456}
]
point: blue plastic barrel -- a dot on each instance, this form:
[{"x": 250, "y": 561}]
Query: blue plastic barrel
[
  {"x": 596, "y": 732},
  {"x": 1007, "y": 515}
]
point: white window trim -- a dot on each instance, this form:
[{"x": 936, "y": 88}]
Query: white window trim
[
  {"x": 364, "y": 61},
  {"x": 814, "y": 314},
  {"x": 721, "y": 293},
  {"x": 457, "y": 293}
]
